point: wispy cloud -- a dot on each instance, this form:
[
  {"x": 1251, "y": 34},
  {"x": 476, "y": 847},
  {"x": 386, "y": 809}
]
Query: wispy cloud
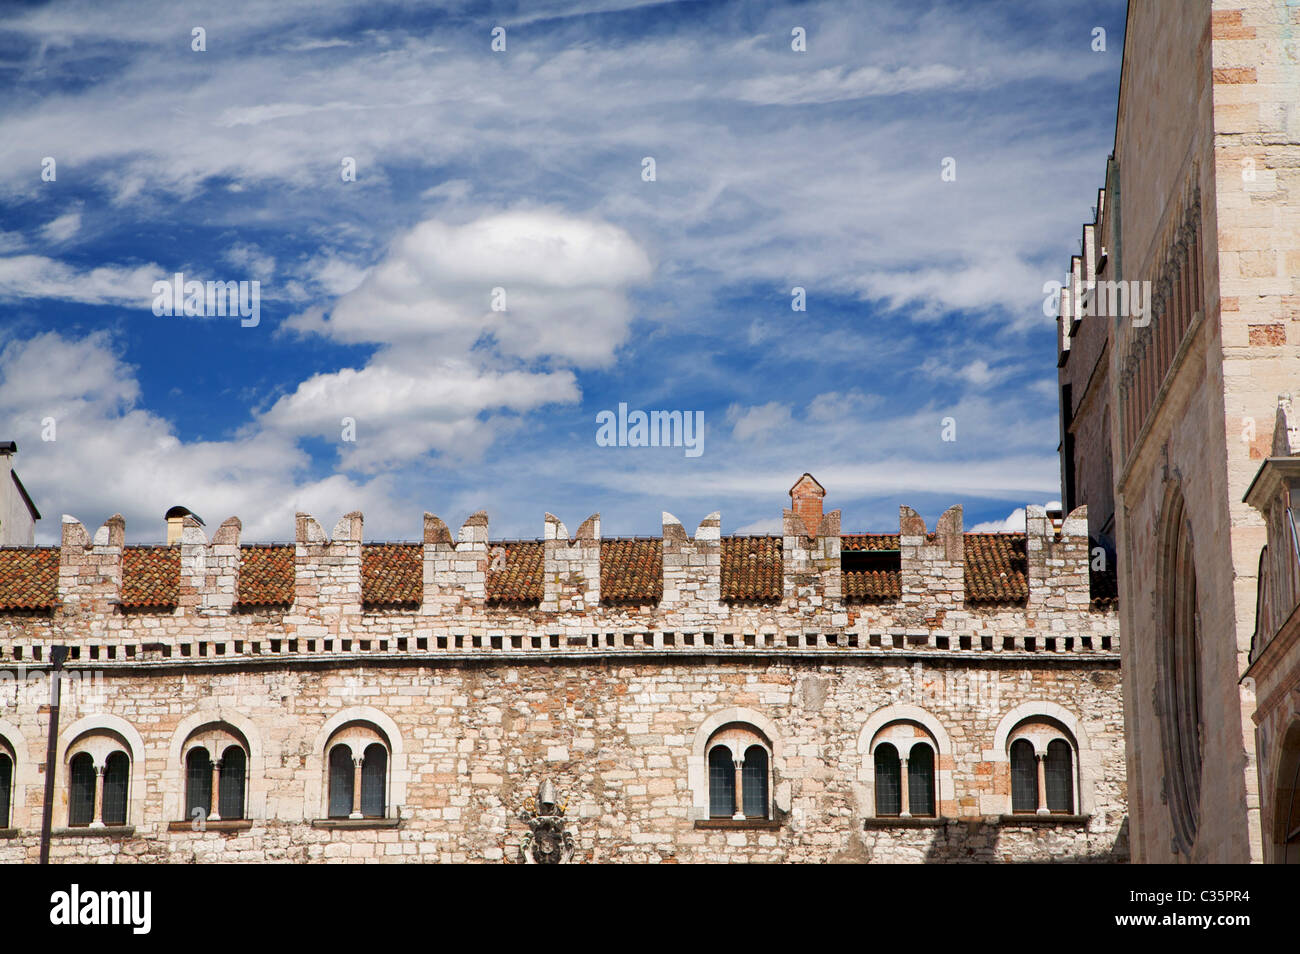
[{"x": 523, "y": 171}]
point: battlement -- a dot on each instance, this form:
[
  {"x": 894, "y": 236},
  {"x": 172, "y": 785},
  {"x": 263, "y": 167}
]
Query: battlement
[{"x": 941, "y": 590}]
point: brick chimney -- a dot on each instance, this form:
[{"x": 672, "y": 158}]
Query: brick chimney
[{"x": 806, "y": 501}]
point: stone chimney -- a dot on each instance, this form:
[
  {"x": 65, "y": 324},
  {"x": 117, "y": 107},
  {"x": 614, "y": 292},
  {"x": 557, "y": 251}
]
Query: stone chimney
[
  {"x": 176, "y": 523},
  {"x": 806, "y": 501}
]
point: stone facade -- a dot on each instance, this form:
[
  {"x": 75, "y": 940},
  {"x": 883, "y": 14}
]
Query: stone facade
[
  {"x": 478, "y": 688},
  {"x": 1275, "y": 649},
  {"x": 1202, "y": 201}
]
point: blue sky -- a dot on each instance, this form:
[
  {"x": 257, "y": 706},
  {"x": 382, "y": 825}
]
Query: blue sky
[{"x": 522, "y": 169}]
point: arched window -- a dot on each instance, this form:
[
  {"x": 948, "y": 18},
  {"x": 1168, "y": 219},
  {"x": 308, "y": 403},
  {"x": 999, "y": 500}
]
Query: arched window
[
  {"x": 722, "y": 782},
  {"x": 889, "y": 785},
  {"x": 374, "y": 772},
  {"x": 6, "y": 787},
  {"x": 920, "y": 780},
  {"x": 1285, "y": 797},
  {"x": 357, "y": 772},
  {"x": 1059, "y": 777},
  {"x": 230, "y": 784},
  {"x": 117, "y": 778},
  {"x": 1179, "y": 674},
  {"x": 340, "y": 781},
  {"x": 1024, "y": 777},
  {"x": 739, "y": 760},
  {"x": 754, "y": 782},
  {"x": 81, "y": 794},
  {"x": 198, "y": 784},
  {"x": 905, "y": 763},
  {"x": 216, "y": 772}
]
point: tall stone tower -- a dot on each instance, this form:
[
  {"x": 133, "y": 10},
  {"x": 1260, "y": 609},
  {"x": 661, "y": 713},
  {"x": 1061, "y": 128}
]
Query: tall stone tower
[{"x": 1179, "y": 328}]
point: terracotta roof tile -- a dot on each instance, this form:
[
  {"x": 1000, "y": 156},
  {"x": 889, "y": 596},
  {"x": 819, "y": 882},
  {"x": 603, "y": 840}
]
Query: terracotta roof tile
[
  {"x": 392, "y": 574},
  {"x": 996, "y": 568},
  {"x": 868, "y": 541},
  {"x": 872, "y": 586},
  {"x": 751, "y": 569},
  {"x": 631, "y": 571},
  {"x": 1103, "y": 588},
  {"x": 151, "y": 577},
  {"x": 266, "y": 576},
  {"x": 519, "y": 580},
  {"x": 29, "y": 578}
]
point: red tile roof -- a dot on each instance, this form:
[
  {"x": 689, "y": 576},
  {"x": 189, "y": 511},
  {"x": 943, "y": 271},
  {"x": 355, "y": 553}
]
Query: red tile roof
[
  {"x": 751, "y": 569},
  {"x": 872, "y": 586},
  {"x": 868, "y": 541},
  {"x": 519, "y": 580},
  {"x": 151, "y": 577},
  {"x": 996, "y": 568},
  {"x": 392, "y": 574},
  {"x": 631, "y": 571},
  {"x": 265, "y": 576},
  {"x": 29, "y": 578}
]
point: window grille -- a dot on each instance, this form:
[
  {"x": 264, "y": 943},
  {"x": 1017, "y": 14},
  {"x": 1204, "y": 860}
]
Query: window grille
[
  {"x": 1059, "y": 778},
  {"x": 722, "y": 783},
  {"x": 920, "y": 780},
  {"x": 81, "y": 797},
  {"x": 340, "y": 782},
  {"x": 198, "y": 784},
  {"x": 117, "y": 775},
  {"x": 374, "y": 769},
  {"x": 230, "y": 796},
  {"x": 1024, "y": 777},
  {"x": 889, "y": 784},
  {"x": 754, "y": 782}
]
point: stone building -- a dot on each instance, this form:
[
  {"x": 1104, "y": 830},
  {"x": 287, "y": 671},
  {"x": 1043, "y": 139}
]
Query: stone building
[
  {"x": 1275, "y": 648},
  {"x": 919, "y": 695},
  {"x": 1177, "y": 335}
]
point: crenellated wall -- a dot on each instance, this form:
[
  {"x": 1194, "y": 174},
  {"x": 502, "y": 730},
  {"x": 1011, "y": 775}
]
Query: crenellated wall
[
  {"x": 810, "y": 610},
  {"x": 605, "y": 665}
]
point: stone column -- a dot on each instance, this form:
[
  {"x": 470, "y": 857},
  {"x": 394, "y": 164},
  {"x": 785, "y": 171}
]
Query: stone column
[
  {"x": 905, "y": 800},
  {"x": 1042, "y": 784},
  {"x": 97, "y": 815},
  {"x": 356, "y": 788},
  {"x": 213, "y": 813},
  {"x": 740, "y": 792}
]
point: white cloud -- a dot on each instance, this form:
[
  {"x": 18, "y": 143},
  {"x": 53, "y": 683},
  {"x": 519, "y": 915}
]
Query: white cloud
[
  {"x": 758, "y": 423},
  {"x": 141, "y": 467},
  {"x": 564, "y": 281},
  {"x": 841, "y": 83},
  {"x": 454, "y": 373},
  {"x": 403, "y": 412},
  {"x": 63, "y": 228},
  {"x": 259, "y": 264},
  {"x": 37, "y": 276},
  {"x": 978, "y": 373},
  {"x": 840, "y": 406},
  {"x": 1014, "y": 522}
]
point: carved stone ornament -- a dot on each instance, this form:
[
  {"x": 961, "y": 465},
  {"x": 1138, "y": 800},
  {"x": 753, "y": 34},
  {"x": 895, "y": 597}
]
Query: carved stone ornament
[{"x": 548, "y": 841}]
